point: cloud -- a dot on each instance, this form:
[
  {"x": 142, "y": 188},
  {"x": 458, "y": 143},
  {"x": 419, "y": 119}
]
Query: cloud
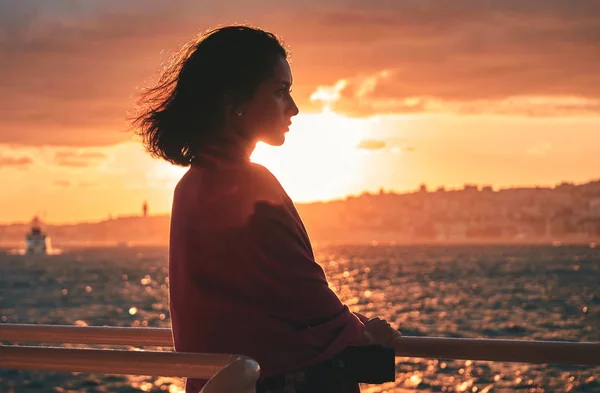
[
  {"x": 378, "y": 145},
  {"x": 64, "y": 154},
  {"x": 540, "y": 150},
  {"x": 382, "y": 94},
  {"x": 462, "y": 56},
  {"x": 62, "y": 183},
  {"x": 8, "y": 161},
  {"x": 71, "y": 71},
  {"x": 77, "y": 159},
  {"x": 371, "y": 144}
]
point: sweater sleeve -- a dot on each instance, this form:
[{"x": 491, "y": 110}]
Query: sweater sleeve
[
  {"x": 288, "y": 268},
  {"x": 362, "y": 317}
]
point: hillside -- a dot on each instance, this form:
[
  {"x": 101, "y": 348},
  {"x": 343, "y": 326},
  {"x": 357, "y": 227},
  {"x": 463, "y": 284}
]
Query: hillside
[{"x": 568, "y": 213}]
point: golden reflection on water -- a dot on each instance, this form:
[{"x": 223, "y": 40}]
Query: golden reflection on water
[
  {"x": 164, "y": 384},
  {"x": 496, "y": 292}
]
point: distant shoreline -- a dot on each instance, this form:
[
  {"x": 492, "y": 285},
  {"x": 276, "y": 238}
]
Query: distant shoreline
[
  {"x": 567, "y": 214},
  {"x": 590, "y": 242}
]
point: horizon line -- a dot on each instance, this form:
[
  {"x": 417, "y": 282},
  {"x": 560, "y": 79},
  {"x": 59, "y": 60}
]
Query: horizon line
[{"x": 381, "y": 191}]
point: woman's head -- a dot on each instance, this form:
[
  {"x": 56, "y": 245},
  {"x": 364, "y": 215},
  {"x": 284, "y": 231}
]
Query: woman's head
[{"x": 233, "y": 79}]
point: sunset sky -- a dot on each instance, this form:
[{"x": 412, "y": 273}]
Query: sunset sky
[{"x": 392, "y": 94}]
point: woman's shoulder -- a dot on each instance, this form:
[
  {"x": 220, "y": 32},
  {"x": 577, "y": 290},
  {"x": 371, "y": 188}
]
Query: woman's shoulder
[
  {"x": 226, "y": 199},
  {"x": 260, "y": 173},
  {"x": 258, "y": 183},
  {"x": 242, "y": 185}
]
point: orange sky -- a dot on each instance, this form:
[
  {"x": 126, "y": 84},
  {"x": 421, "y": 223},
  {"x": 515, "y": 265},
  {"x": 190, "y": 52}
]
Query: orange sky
[{"x": 392, "y": 94}]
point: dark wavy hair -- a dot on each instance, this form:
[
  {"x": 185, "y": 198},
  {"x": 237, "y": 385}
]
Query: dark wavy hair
[{"x": 186, "y": 106}]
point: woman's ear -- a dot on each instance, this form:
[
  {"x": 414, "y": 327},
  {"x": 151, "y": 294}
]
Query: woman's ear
[{"x": 232, "y": 106}]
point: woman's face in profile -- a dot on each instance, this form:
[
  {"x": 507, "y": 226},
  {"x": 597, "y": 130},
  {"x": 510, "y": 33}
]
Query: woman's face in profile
[{"x": 267, "y": 116}]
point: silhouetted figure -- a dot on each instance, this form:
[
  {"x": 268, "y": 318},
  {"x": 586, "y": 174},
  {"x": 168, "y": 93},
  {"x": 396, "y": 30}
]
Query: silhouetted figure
[
  {"x": 242, "y": 273},
  {"x": 145, "y": 209}
]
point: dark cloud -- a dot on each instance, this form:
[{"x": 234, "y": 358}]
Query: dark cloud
[
  {"x": 467, "y": 55},
  {"x": 8, "y": 161},
  {"x": 71, "y": 71}
]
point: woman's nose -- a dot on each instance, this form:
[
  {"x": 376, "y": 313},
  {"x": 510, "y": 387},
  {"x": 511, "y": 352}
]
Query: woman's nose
[{"x": 293, "y": 108}]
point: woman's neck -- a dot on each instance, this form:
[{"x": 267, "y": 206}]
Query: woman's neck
[{"x": 229, "y": 146}]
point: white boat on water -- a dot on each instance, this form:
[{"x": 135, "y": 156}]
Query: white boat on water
[{"x": 37, "y": 242}]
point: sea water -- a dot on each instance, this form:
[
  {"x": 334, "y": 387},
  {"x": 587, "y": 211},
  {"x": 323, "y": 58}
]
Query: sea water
[{"x": 500, "y": 292}]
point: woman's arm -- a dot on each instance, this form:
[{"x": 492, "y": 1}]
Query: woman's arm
[
  {"x": 362, "y": 318},
  {"x": 287, "y": 266}
]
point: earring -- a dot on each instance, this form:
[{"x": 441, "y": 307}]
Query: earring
[{"x": 239, "y": 113}]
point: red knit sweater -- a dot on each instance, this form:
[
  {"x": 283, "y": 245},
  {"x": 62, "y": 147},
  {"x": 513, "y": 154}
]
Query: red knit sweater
[{"x": 242, "y": 274}]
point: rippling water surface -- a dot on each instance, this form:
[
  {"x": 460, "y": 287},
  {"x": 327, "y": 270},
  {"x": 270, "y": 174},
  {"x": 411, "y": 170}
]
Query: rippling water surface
[{"x": 514, "y": 292}]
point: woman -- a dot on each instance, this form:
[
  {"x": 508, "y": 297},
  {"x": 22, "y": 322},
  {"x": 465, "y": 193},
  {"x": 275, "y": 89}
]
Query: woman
[{"x": 242, "y": 273}]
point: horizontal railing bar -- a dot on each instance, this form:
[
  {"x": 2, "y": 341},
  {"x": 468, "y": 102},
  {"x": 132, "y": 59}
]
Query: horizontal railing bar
[
  {"x": 555, "y": 352},
  {"x": 540, "y": 352},
  {"x": 106, "y": 335},
  {"x": 115, "y": 361}
]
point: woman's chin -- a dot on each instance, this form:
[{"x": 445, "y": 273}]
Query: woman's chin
[{"x": 274, "y": 139}]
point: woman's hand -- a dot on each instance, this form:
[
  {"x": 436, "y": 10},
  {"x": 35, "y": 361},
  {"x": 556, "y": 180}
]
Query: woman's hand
[
  {"x": 366, "y": 339},
  {"x": 379, "y": 331}
]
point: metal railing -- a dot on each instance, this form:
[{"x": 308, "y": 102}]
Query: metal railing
[
  {"x": 226, "y": 371},
  {"x": 558, "y": 352},
  {"x": 130, "y": 362},
  {"x": 106, "y": 335}
]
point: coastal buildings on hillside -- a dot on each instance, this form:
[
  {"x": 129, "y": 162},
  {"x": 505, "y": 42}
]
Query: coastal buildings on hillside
[
  {"x": 563, "y": 212},
  {"x": 567, "y": 213}
]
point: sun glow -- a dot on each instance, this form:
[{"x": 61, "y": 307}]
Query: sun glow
[
  {"x": 163, "y": 172},
  {"x": 319, "y": 160}
]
